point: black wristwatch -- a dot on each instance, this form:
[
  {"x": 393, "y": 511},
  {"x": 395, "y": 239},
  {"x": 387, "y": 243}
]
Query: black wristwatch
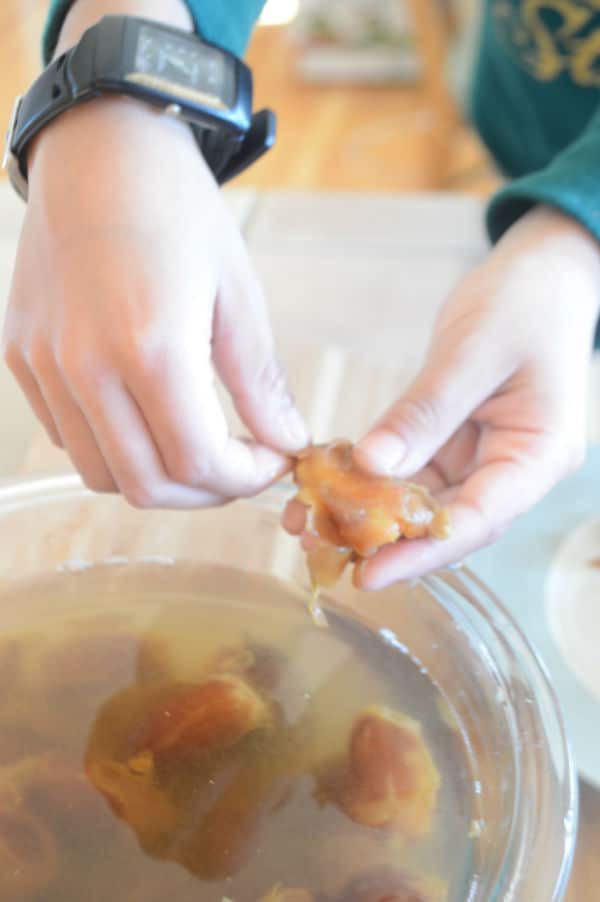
[{"x": 195, "y": 81}]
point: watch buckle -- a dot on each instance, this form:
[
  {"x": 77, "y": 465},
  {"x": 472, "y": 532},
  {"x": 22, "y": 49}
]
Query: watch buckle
[{"x": 10, "y": 161}]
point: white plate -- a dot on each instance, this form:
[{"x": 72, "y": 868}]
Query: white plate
[
  {"x": 573, "y": 603},
  {"x": 540, "y": 570}
]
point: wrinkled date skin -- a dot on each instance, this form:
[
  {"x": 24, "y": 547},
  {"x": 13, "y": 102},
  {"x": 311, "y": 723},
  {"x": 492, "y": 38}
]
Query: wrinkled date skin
[
  {"x": 135, "y": 798},
  {"x": 390, "y": 779},
  {"x": 196, "y": 719},
  {"x": 229, "y": 833},
  {"x": 352, "y": 514},
  {"x": 164, "y": 759}
]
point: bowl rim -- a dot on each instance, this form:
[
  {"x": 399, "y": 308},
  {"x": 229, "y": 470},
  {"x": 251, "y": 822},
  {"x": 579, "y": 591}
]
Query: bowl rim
[{"x": 514, "y": 635}]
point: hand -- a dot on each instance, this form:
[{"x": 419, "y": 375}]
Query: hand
[
  {"x": 498, "y": 414},
  {"x": 131, "y": 282}
]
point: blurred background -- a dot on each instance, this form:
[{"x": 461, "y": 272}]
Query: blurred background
[{"x": 370, "y": 93}]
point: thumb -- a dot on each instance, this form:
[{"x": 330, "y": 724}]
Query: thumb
[
  {"x": 244, "y": 356},
  {"x": 452, "y": 384}
]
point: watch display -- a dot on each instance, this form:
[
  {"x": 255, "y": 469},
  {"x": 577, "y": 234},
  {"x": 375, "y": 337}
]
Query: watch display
[{"x": 165, "y": 59}]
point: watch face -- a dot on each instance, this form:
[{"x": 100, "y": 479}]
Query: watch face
[{"x": 175, "y": 63}]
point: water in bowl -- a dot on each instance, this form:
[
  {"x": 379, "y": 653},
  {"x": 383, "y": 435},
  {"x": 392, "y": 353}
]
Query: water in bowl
[{"x": 187, "y": 732}]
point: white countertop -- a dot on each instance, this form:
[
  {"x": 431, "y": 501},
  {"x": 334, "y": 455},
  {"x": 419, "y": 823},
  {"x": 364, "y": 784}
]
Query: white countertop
[{"x": 353, "y": 283}]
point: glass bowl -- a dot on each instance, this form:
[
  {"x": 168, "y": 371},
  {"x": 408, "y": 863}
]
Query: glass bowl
[{"x": 459, "y": 633}]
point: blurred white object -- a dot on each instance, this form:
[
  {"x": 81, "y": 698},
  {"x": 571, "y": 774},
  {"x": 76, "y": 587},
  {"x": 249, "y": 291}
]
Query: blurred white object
[
  {"x": 356, "y": 40},
  {"x": 572, "y": 608},
  {"x": 369, "y": 66},
  {"x": 355, "y": 23},
  {"x": 279, "y": 12},
  {"x": 463, "y": 52}
]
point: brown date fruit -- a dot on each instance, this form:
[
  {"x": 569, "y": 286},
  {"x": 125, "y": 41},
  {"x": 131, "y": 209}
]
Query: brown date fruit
[
  {"x": 137, "y": 800},
  {"x": 230, "y": 831},
  {"x": 390, "y": 779},
  {"x": 352, "y": 514},
  {"x": 212, "y": 715}
]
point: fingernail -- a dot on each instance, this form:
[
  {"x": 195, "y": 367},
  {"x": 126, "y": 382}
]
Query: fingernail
[
  {"x": 295, "y": 430},
  {"x": 362, "y": 578},
  {"x": 382, "y": 451}
]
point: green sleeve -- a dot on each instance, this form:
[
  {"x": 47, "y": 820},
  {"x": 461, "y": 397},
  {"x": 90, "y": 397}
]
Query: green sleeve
[
  {"x": 571, "y": 182},
  {"x": 227, "y": 23}
]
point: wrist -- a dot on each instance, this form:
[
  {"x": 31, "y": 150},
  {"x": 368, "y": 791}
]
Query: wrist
[
  {"x": 110, "y": 112},
  {"x": 575, "y": 247},
  {"x": 99, "y": 142},
  {"x": 85, "y": 13},
  {"x": 561, "y": 246}
]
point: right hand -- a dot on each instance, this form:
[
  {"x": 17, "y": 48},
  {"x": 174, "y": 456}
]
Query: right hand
[{"x": 131, "y": 281}]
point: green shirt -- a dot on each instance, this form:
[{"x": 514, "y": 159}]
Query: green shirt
[
  {"x": 536, "y": 104},
  {"x": 535, "y": 98}
]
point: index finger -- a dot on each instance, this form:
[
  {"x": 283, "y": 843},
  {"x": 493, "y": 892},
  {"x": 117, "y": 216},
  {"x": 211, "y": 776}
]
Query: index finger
[{"x": 180, "y": 404}]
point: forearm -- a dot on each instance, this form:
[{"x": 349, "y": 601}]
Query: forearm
[{"x": 85, "y": 13}]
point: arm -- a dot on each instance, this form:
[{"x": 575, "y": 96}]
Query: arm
[
  {"x": 570, "y": 183},
  {"x": 498, "y": 414}
]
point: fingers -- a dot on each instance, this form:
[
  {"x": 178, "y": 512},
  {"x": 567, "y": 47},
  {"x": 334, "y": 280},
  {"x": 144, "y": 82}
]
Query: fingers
[
  {"x": 407, "y": 560},
  {"x": 480, "y": 511},
  {"x": 244, "y": 355},
  {"x": 75, "y": 434},
  {"x": 102, "y": 430},
  {"x": 126, "y": 443},
  {"x": 32, "y": 392},
  {"x": 177, "y": 396},
  {"x": 453, "y": 383},
  {"x": 294, "y": 517},
  {"x": 166, "y": 447}
]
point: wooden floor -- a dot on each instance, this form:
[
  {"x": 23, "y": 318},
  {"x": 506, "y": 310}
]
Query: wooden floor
[{"x": 353, "y": 138}]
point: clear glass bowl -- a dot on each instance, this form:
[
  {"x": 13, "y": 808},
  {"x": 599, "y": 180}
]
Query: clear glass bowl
[{"x": 450, "y": 623}]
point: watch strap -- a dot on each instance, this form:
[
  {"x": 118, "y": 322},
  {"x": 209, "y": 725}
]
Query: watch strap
[
  {"x": 77, "y": 76},
  {"x": 49, "y": 96},
  {"x": 259, "y": 139},
  {"x": 54, "y": 92}
]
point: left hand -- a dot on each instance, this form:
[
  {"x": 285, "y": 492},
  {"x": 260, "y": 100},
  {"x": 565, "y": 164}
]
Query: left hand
[{"x": 497, "y": 415}]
